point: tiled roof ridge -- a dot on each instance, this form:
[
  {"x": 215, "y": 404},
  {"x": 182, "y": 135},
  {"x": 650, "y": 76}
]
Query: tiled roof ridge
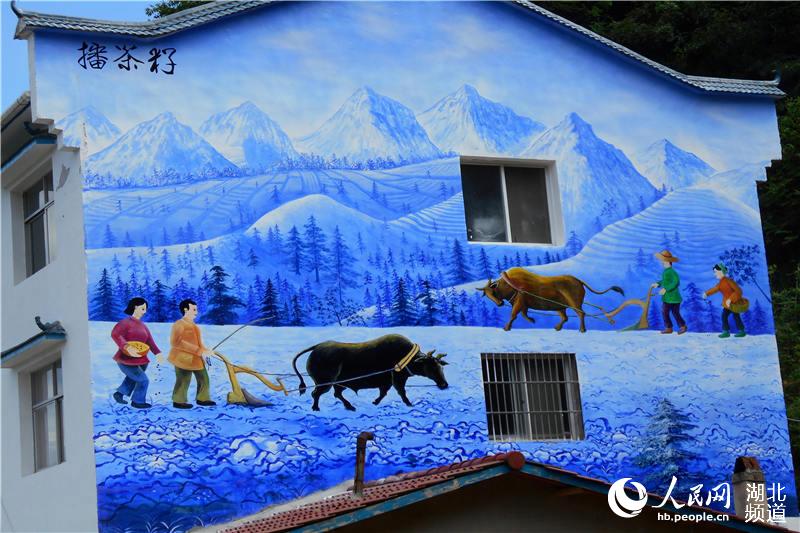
[
  {"x": 374, "y": 492},
  {"x": 707, "y": 83},
  {"x": 158, "y": 27},
  {"x": 215, "y": 10}
]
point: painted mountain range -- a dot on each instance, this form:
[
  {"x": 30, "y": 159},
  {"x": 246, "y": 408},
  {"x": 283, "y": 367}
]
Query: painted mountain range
[
  {"x": 368, "y": 126},
  {"x": 598, "y": 184},
  {"x": 467, "y": 123},
  {"x": 161, "y": 146},
  {"x": 90, "y": 123},
  {"x": 667, "y": 166},
  {"x": 247, "y": 137}
]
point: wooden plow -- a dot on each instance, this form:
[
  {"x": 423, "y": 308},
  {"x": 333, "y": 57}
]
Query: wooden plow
[
  {"x": 239, "y": 395},
  {"x": 642, "y": 323}
]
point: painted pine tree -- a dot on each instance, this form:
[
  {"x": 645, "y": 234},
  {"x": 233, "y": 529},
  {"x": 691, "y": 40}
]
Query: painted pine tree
[
  {"x": 269, "y": 306},
  {"x": 574, "y": 244},
  {"x": 758, "y": 323},
  {"x": 166, "y": 265},
  {"x": 693, "y": 308},
  {"x": 159, "y": 308},
  {"x": 429, "y": 305},
  {"x": 103, "y": 302},
  {"x": 297, "y": 313},
  {"x": 459, "y": 269},
  {"x": 221, "y": 303},
  {"x": 380, "y": 315},
  {"x": 402, "y": 313},
  {"x": 295, "y": 253},
  {"x": 341, "y": 264},
  {"x": 665, "y": 449},
  {"x": 109, "y": 239}
]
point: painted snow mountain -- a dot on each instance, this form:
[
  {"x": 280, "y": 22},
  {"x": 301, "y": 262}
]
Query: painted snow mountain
[
  {"x": 89, "y": 124},
  {"x": 248, "y": 137},
  {"x": 369, "y": 126},
  {"x": 157, "y": 152},
  {"x": 598, "y": 183},
  {"x": 739, "y": 183},
  {"x": 667, "y": 166},
  {"x": 467, "y": 123}
]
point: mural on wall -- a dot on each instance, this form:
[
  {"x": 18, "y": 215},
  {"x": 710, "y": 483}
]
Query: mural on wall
[{"x": 266, "y": 232}]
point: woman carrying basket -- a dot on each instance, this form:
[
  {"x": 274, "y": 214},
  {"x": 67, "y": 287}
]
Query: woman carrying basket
[
  {"x": 133, "y": 341},
  {"x": 732, "y": 301}
]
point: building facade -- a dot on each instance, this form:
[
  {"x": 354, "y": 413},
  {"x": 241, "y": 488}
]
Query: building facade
[{"x": 404, "y": 180}]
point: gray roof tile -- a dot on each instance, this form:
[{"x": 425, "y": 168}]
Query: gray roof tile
[{"x": 203, "y": 14}]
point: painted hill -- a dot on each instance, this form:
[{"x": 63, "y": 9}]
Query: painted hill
[
  {"x": 739, "y": 183},
  {"x": 156, "y": 151},
  {"x": 445, "y": 218},
  {"x": 666, "y": 165},
  {"x": 598, "y": 184},
  {"x": 465, "y": 122},
  {"x": 327, "y": 212},
  {"x": 247, "y": 136},
  {"x": 368, "y": 126},
  {"x": 90, "y": 123}
]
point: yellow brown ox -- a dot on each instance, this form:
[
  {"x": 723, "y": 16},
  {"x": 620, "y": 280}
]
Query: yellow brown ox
[{"x": 526, "y": 290}]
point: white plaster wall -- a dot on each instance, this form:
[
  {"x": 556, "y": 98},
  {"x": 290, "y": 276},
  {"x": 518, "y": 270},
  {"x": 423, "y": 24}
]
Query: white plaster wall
[{"x": 61, "y": 498}]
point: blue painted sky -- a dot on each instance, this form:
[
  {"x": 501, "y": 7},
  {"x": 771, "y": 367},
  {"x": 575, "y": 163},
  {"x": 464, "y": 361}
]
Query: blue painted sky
[
  {"x": 14, "y": 52},
  {"x": 300, "y": 62}
]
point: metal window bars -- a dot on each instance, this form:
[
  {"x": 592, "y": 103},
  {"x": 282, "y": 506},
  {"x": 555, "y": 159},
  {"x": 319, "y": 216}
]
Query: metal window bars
[{"x": 532, "y": 396}]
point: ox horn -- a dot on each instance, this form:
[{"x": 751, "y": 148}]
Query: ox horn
[
  {"x": 430, "y": 354},
  {"x": 439, "y": 356}
]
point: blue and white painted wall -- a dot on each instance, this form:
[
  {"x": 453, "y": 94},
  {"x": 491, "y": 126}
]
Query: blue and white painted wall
[{"x": 310, "y": 152}]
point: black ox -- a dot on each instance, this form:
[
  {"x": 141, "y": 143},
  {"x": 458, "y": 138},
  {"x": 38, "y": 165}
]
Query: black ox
[{"x": 367, "y": 365}]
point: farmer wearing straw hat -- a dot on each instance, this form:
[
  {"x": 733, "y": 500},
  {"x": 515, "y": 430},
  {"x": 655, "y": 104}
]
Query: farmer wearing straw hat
[
  {"x": 732, "y": 301},
  {"x": 670, "y": 293}
]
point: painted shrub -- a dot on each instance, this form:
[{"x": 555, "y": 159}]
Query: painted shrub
[{"x": 297, "y": 169}]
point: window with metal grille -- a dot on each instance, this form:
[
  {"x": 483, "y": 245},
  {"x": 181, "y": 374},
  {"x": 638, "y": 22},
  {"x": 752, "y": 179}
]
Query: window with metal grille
[{"x": 532, "y": 396}]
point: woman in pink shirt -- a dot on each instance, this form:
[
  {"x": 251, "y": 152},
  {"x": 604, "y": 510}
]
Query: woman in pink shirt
[{"x": 132, "y": 363}]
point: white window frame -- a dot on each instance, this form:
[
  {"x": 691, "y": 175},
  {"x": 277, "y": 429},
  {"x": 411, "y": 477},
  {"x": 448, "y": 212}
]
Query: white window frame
[
  {"x": 58, "y": 400},
  {"x": 524, "y": 397},
  {"x": 555, "y": 215},
  {"x": 42, "y": 211}
]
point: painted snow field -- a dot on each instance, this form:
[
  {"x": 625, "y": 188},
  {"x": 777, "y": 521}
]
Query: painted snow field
[{"x": 155, "y": 468}]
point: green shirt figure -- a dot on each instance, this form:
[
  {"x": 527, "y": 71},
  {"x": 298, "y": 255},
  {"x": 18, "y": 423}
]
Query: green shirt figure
[{"x": 670, "y": 292}]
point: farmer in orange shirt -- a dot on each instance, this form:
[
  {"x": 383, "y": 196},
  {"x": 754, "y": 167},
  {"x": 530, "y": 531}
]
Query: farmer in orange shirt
[
  {"x": 190, "y": 356},
  {"x": 731, "y": 296}
]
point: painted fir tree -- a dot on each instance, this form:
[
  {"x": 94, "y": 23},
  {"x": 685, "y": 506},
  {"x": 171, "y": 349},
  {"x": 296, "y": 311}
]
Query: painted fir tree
[
  {"x": 429, "y": 305},
  {"x": 159, "y": 306},
  {"x": 269, "y": 306},
  {"x": 460, "y": 270},
  {"x": 665, "y": 449},
  {"x": 694, "y": 308},
  {"x": 221, "y": 303},
  {"x": 341, "y": 264},
  {"x": 402, "y": 313},
  {"x": 103, "y": 301},
  {"x": 294, "y": 251}
]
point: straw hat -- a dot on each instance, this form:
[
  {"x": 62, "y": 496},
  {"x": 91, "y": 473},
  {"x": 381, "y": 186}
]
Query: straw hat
[{"x": 666, "y": 255}]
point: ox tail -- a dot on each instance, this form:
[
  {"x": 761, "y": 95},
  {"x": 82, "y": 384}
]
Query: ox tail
[
  {"x": 302, "y": 388},
  {"x": 614, "y": 288}
]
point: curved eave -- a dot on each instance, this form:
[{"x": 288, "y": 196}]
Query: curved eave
[
  {"x": 29, "y": 22},
  {"x": 704, "y": 83}
]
